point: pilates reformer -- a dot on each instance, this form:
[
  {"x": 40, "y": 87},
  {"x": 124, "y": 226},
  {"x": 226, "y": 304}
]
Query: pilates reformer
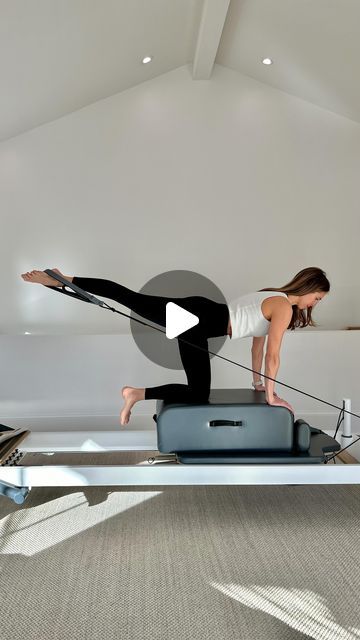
[{"x": 235, "y": 438}]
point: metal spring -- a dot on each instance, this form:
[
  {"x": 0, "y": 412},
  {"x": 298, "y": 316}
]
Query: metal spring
[{"x": 13, "y": 459}]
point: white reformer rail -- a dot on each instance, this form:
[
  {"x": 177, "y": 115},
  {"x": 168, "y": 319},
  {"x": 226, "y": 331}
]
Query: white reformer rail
[
  {"x": 169, "y": 473},
  {"x": 163, "y": 472}
]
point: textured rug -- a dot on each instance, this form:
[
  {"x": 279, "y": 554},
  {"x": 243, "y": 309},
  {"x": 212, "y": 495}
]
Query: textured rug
[{"x": 212, "y": 563}]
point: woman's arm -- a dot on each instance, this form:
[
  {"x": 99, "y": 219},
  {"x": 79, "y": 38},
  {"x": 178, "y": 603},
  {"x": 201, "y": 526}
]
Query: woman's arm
[
  {"x": 280, "y": 320},
  {"x": 257, "y": 352}
]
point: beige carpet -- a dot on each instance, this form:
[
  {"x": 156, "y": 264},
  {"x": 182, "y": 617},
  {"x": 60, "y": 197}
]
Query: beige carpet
[{"x": 212, "y": 563}]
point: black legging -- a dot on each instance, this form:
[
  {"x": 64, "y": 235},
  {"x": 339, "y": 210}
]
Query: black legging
[{"x": 213, "y": 322}]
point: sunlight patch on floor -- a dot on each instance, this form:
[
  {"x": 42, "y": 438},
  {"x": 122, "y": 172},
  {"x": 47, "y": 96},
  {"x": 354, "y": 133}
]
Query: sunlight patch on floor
[
  {"x": 302, "y": 610},
  {"x": 31, "y": 530}
]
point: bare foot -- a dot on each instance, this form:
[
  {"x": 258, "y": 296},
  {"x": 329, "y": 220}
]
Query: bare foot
[
  {"x": 130, "y": 395},
  {"x": 40, "y": 277}
]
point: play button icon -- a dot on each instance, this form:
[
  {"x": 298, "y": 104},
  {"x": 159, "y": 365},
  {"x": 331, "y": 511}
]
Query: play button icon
[
  {"x": 178, "y": 320},
  {"x": 175, "y": 297}
]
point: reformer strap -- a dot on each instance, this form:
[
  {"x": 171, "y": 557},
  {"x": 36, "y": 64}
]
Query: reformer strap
[
  {"x": 78, "y": 293},
  {"x": 83, "y": 295}
]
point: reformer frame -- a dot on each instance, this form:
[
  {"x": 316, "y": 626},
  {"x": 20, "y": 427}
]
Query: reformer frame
[{"x": 16, "y": 479}]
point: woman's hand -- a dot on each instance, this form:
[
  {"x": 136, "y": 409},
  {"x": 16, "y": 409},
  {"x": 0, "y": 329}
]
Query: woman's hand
[{"x": 279, "y": 402}]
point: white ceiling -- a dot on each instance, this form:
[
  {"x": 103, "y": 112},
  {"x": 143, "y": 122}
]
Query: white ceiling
[
  {"x": 57, "y": 56},
  {"x": 315, "y": 45}
]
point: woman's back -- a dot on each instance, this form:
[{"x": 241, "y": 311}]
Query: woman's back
[{"x": 246, "y": 316}]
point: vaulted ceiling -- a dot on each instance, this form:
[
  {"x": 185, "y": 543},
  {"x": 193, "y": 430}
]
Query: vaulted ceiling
[{"x": 57, "y": 56}]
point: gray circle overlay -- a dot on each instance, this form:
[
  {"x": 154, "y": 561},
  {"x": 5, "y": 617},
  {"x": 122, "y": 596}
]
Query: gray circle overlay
[{"x": 152, "y": 341}]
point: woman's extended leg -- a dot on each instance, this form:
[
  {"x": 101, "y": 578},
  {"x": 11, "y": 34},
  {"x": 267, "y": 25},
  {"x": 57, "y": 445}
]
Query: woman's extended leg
[
  {"x": 150, "y": 307},
  {"x": 211, "y": 314},
  {"x": 213, "y": 318}
]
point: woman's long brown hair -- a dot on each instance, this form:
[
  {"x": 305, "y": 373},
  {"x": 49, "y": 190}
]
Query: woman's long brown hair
[{"x": 307, "y": 280}]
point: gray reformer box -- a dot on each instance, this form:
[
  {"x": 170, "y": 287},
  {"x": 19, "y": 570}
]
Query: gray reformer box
[
  {"x": 231, "y": 420},
  {"x": 237, "y": 426}
]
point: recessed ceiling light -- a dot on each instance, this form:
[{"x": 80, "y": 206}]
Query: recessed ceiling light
[
  {"x": 147, "y": 59},
  {"x": 267, "y": 61}
]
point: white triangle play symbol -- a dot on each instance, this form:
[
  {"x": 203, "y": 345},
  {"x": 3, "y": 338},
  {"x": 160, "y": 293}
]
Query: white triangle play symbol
[{"x": 178, "y": 320}]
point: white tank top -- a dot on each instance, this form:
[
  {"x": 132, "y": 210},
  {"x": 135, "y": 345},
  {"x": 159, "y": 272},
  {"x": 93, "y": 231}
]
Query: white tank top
[{"x": 246, "y": 316}]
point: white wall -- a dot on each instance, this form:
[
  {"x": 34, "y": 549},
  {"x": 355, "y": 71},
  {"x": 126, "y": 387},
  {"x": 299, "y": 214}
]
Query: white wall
[{"x": 228, "y": 177}]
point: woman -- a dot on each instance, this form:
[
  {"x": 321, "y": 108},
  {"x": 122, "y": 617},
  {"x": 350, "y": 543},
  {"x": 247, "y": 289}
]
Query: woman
[{"x": 255, "y": 314}]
